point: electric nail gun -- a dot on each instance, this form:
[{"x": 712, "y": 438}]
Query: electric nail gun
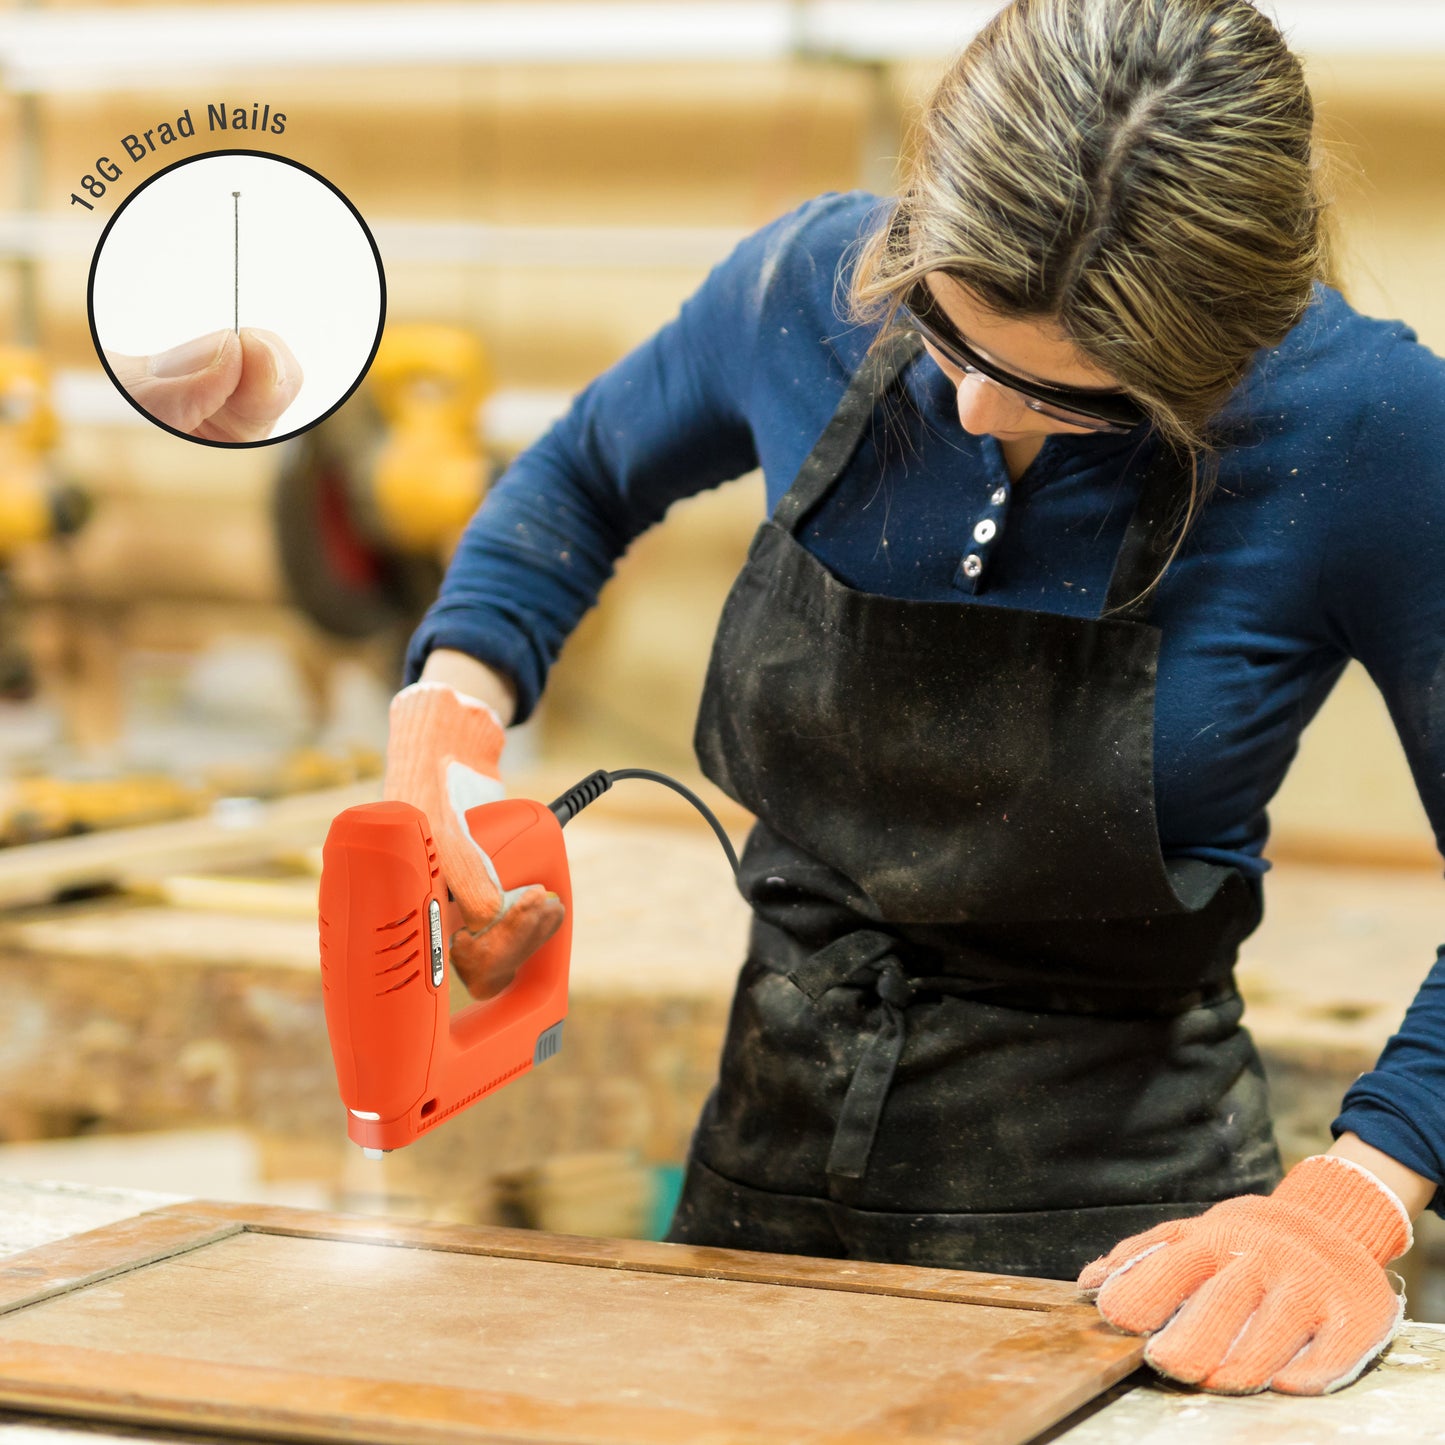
[{"x": 404, "y": 1061}]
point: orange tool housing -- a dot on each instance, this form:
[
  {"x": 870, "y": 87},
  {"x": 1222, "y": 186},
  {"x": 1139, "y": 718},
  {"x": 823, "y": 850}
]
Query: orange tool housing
[{"x": 404, "y": 1061}]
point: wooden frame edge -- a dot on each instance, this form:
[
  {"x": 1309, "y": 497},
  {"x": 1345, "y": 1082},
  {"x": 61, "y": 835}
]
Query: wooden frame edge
[
  {"x": 742, "y": 1266},
  {"x": 961, "y": 1401},
  {"x": 81, "y": 1260},
  {"x": 241, "y": 1399}
]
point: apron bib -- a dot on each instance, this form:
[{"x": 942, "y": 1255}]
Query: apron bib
[{"x": 983, "y": 1022}]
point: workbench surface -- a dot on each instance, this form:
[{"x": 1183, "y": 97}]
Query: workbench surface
[{"x": 1401, "y": 1401}]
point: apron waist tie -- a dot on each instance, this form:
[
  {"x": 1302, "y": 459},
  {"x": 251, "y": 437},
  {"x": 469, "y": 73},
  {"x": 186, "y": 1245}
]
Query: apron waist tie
[
  {"x": 864, "y": 959},
  {"x": 867, "y": 959}
]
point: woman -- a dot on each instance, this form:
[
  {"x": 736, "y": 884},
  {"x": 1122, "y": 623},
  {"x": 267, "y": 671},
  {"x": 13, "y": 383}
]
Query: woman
[{"x": 1084, "y": 489}]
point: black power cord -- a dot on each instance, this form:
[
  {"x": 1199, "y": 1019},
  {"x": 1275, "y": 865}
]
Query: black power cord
[{"x": 595, "y": 784}]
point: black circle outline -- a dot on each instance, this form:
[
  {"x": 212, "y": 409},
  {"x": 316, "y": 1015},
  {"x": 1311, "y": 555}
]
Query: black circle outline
[{"x": 191, "y": 160}]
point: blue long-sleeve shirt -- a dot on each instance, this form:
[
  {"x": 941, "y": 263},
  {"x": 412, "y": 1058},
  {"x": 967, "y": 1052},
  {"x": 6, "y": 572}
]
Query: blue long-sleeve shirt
[{"x": 1325, "y": 540}]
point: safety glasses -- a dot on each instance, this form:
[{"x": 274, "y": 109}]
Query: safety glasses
[{"x": 1100, "y": 411}]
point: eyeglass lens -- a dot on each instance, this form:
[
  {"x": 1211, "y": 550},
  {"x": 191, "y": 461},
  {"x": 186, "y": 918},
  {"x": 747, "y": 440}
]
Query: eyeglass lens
[{"x": 1111, "y": 412}]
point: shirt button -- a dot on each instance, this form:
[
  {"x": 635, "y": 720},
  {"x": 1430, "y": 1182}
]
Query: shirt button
[
  {"x": 999, "y": 497},
  {"x": 984, "y": 531},
  {"x": 972, "y": 565}
]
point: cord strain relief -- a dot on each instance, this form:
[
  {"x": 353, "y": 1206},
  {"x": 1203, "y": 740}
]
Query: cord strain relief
[{"x": 580, "y": 795}]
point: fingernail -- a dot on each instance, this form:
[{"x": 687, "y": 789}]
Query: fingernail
[
  {"x": 190, "y": 356},
  {"x": 278, "y": 367}
]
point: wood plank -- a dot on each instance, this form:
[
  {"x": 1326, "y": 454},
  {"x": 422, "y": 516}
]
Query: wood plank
[
  {"x": 902, "y": 1281},
  {"x": 207, "y": 893},
  {"x": 86, "y": 1259},
  {"x": 67, "y": 1380},
  {"x": 994, "y": 1401},
  {"x": 325, "y": 1327},
  {"x": 37, "y": 871}
]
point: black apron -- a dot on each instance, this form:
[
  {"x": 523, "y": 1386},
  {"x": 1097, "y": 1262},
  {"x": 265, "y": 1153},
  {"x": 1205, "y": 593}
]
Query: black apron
[{"x": 983, "y": 1023}]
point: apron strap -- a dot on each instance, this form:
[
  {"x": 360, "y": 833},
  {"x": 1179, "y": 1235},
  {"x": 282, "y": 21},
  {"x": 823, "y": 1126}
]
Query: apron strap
[
  {"x": 842, "y": 436},
  {"x": 850, "y": 959}
]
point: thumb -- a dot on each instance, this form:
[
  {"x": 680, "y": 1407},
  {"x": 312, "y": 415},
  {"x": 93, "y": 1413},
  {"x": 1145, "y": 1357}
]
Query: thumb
[
  {"x": 487, "y": 961},
  {"x": 268, "y": 381},
  {"x": 1128, "y": 1252},
  {"x": 182, "y": 387}
]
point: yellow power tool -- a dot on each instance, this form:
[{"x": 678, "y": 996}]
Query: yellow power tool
[{"x": 35, "y": 505}]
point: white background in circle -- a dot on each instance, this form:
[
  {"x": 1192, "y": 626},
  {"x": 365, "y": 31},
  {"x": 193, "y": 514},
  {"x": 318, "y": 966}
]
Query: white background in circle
[{"x": 307, "y": 271}]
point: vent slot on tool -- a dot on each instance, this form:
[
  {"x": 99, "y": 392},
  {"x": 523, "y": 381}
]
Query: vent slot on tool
[{"x": 397, "y": 987}]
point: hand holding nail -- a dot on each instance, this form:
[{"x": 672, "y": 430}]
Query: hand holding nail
[{"x": 225, "y": 387}]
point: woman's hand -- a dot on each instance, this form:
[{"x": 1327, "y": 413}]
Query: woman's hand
[
  {"x": 225, "y": 387},
  {"x": 1285, "y": 1293},
  {"x": 443, "y": 756}
]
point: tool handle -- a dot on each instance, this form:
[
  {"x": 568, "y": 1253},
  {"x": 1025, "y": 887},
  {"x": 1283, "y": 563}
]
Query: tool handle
[{"x": 379, "y": 879}]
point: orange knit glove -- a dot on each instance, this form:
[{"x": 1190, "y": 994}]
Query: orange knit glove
[
  {"x": 1285, "y": 1293},
  {"x": 442, "y": 756}
]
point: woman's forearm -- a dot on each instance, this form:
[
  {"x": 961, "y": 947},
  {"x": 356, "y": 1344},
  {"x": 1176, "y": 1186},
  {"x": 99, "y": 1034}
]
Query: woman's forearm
[
  {"x": 472, "y": 679},
  {"x": 1415, "y": 1191}
]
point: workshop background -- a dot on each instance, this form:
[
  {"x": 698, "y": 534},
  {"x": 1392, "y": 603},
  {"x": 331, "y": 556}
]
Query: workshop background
[{"x": 197, "y": 644}]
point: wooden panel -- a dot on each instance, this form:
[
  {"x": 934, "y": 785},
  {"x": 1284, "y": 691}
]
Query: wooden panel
[
  {"x": 323, "y": 1327},
  {"x": 1398, "y": 1400}
]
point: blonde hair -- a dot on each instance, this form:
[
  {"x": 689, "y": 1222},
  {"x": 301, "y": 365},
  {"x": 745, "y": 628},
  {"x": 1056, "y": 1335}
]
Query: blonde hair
[{"x": 1138, "y": 173}]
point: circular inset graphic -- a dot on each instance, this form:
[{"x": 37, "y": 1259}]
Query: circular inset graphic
[{"x": 236, "y": 298}]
